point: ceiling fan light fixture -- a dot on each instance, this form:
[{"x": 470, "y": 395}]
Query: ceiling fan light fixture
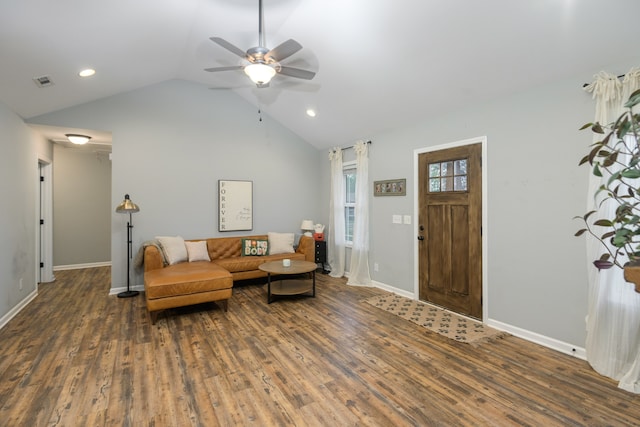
[
  {"x": 77, "y": 139},
  {"x": 260, "y": 73}
]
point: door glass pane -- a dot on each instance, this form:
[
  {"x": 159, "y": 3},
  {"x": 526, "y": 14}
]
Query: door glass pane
[
  {"x": 434, "y": 185},
  {"x": 460, "y": 183},
  {"x": 446, "y": 184},
  {"x": 450, "y": 175},
  {"x": 447, "y": 169},
  {"x": 434, "y": 170}
]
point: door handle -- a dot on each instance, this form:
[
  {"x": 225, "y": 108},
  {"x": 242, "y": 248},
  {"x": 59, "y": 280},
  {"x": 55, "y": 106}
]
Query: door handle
[{"x": 420, "y": 237}]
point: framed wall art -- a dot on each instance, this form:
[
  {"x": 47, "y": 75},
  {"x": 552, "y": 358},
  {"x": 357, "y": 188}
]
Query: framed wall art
[
  {"x": 235, "y": 205},
  {"x": 390, "y": 187}
]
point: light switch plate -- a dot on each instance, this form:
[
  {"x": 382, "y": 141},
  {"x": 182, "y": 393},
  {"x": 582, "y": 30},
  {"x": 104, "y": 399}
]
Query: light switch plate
[
  {"x": 407, "y": 219},
  {"x": 396, "y": 219}
]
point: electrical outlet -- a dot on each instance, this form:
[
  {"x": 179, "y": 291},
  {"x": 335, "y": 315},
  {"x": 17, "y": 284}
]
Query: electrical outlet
[
  {"x": 21, "y": 283},
  {"x": 375, "y": 266}
]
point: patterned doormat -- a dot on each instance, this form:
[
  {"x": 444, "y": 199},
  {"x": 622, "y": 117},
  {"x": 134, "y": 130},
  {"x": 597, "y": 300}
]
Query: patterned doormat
[{"x": 436, "y": 319}]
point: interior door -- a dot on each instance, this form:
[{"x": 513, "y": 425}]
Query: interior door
[{"x": 450, "y": 228}]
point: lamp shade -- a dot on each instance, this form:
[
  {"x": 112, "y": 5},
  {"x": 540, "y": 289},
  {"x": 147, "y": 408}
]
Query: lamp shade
[
  {"x": 259, "y": 73},
  {"x": 307, "y": 224},
  {"x": 127, "y": 206}
]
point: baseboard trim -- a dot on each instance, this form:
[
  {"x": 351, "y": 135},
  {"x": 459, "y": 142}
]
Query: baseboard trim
[
  {"x": 115, "y": 291},
  {"x": 552, "y": 343},
  {"x": 79, "y": 266},
  {"x": 17, "y": 308},
  {"x": 543, "y": 340},
  {"x": 389, "y": 288}
]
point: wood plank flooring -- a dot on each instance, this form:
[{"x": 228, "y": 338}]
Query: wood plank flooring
[{"x": 78, "y": 357}]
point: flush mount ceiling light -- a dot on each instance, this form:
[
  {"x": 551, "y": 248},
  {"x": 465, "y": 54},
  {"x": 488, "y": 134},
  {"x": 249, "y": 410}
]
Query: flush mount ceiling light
[
  {"x": 87, "y": 72},
  {"x": 311, "y": 112},
  {"x": 77, "y": 139},
  {"x": 259, "y": 73}
]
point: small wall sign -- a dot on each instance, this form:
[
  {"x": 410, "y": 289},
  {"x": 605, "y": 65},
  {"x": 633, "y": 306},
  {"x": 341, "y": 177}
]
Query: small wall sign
[{"x": 390, "y": 187}]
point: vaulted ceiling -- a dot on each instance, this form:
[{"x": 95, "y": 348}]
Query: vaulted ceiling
[{"x": 380, "y": 63}]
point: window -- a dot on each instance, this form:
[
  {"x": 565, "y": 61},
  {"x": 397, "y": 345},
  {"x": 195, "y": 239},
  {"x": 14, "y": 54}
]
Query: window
[{"x": 349, "y": 171}]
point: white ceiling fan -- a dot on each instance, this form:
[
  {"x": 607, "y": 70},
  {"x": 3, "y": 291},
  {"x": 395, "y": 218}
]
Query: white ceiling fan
[{"x": 264, "y": 64}]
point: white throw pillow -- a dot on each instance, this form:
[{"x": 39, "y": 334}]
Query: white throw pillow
[
  {"x": 197, "y": 251},
  {"x": 173, "y": 248},
  {"x": 280, "y": 243}
]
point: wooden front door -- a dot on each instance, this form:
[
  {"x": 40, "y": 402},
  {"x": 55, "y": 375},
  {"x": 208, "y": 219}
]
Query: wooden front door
[{"x": 450, "y": 233}]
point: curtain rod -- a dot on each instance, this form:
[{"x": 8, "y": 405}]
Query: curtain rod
[
  {"x": 351, "y": 146},
  {"x": 620, "y": 77}
]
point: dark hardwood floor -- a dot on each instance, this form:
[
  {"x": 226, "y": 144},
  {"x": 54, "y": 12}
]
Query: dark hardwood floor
[{"x": 78, "y": 357}]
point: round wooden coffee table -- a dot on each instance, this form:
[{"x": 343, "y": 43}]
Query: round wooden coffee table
[{"x": 290, "y": 286}]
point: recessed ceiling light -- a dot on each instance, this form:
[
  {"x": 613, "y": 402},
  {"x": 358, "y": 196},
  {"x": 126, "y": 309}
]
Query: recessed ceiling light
[
  {"x": 87, "y": 72},
  {"x": 311, "y": 112}
]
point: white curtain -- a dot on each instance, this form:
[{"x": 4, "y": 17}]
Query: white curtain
[
  {"x": 359, "y": 267},
  {"x": 613, "y": 322},
  {"x": 335, "y": 237}
]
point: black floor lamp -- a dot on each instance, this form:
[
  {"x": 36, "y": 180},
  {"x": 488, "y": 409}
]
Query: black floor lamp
[{"x": 128, "y": 207}]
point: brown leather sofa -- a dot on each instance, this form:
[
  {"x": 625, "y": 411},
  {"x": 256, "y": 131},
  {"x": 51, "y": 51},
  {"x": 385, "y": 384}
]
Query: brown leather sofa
[{"x": 188, "y": 283}]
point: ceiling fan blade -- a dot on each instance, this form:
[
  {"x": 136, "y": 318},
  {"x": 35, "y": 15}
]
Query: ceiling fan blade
[
  {"x": 231, "y": 48},
  {"x": 283, "y": 50},
  {"x": 214, "y": 69},
  {"x": 297, "y": 73}
]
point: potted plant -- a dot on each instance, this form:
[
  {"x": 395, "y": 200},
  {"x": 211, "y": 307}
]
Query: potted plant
[{"x": 617, "y": 157}]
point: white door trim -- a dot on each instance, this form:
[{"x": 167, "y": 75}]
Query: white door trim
[
  {"x": 44, "y": 234},
  {"x": 485, "y": 230}
]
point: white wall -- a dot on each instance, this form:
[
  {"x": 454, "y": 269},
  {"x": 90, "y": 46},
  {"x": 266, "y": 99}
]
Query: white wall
[
  {"x": 536, "y": 267},
  {"x": 81, "y": 206},
  {"x": 20, "y": 148},
  {"x": 173, "y": 141}
]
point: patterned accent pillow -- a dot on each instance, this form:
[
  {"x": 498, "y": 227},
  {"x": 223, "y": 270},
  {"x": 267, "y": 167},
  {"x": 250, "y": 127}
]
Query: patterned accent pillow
[{"x": 255, "y": 247}]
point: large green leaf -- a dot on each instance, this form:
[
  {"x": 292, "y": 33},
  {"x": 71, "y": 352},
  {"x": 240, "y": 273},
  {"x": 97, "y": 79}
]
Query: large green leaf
[
  {"x": 614, "y": 177},
  {"x": 631, "y": 173},
  {"x": 596, "y": 171},
  {"x": 634, "y": 99},
  {"x": 593, "y": 153},
  {"x": 597, "y": 128},
  {"x": 623, "y": 128},
  {"x": 607, "y": 235}
]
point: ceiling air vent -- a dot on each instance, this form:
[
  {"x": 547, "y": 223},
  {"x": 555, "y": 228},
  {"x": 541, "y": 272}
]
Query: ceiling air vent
[{"x": 43, "y": 81}]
